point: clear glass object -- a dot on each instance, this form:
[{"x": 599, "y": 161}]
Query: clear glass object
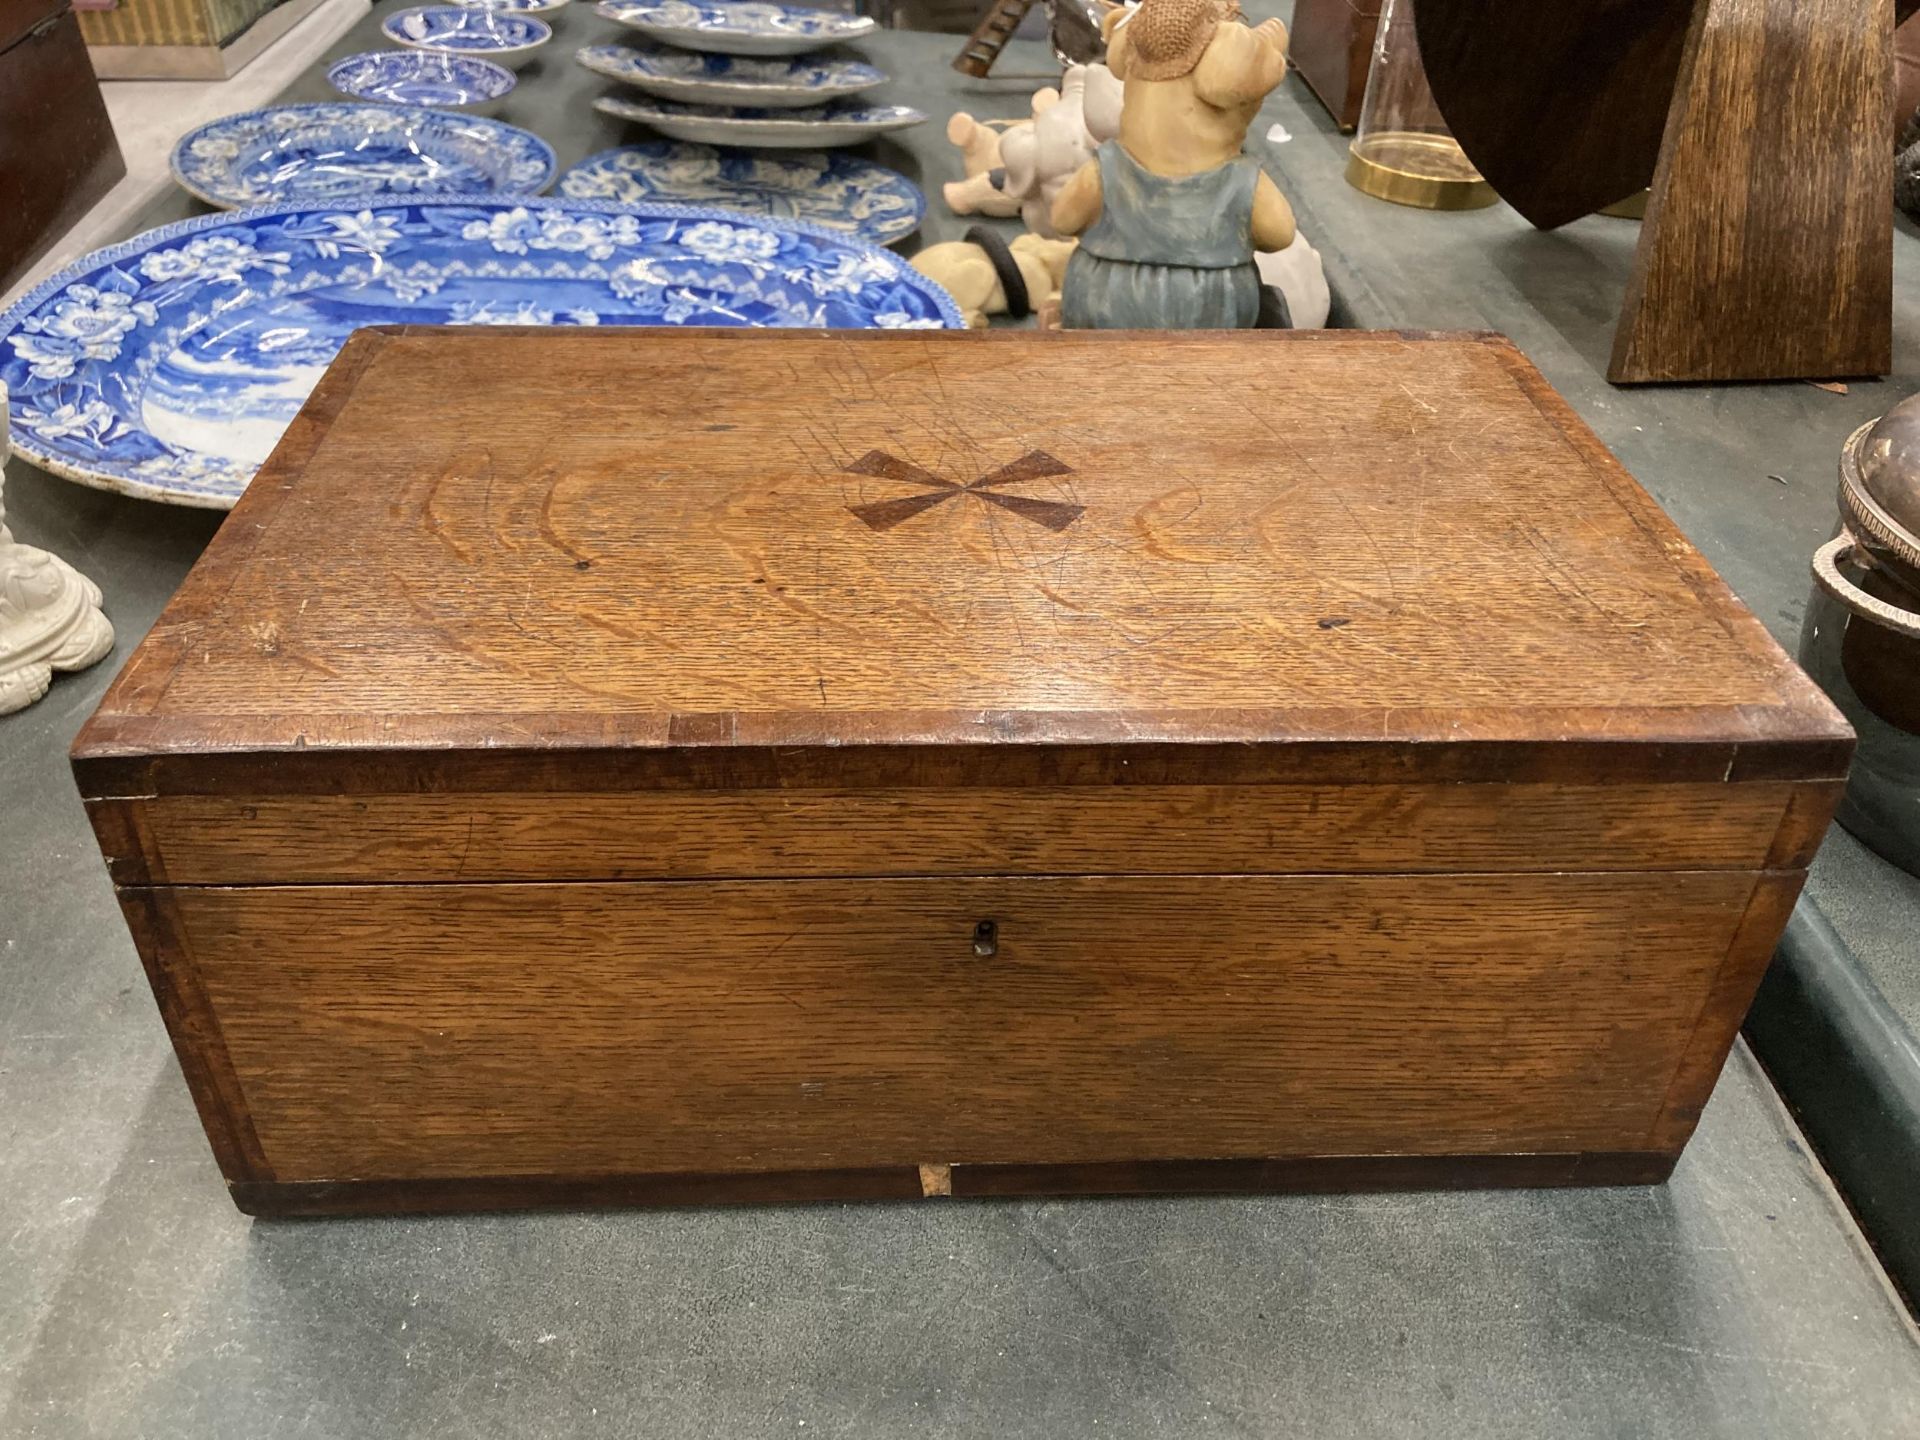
[{"x": 1402, "y": 150}]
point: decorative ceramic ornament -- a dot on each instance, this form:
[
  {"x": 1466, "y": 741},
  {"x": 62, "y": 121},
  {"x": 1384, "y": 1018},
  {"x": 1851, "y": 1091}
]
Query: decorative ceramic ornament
[
  {"x": 1171, "y": 213},
  {"x": 337, "y": 152},
  {"x": 730, "y": 80},
  {"x": 1067, "y": 127},
  {"x": 842, "y": 123},
  {"x": 50, "y": 617},
  {"x": 168, "y": 366},
  {"x": 987, "y": 276},
  {"x": 737, "y": 27},
  {"x": 843, "y": 191}
]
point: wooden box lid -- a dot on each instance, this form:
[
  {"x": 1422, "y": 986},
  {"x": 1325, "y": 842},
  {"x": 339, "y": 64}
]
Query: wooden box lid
[{"x": 573, "y": 559}]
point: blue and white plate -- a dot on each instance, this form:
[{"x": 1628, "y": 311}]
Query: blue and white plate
[
  {"x": 506, "y": 37},
  {"x": 529, "y": 7},
  {"x": 729, "y": 79},
  {"x": 839, "y": 190},
  {"x": 169, "y": 365},
  {"x": 846, "y": 122},
  {"x": 737, "y": 27},
  {"x": 334, "y": 152},
  {"x": 421, "y": 77}
]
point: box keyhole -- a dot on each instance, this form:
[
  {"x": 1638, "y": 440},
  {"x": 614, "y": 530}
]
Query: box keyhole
[{"x": 986, "y": 938}]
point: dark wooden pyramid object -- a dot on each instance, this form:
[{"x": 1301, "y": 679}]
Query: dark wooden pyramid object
[{"x": 1761, "y": 126}]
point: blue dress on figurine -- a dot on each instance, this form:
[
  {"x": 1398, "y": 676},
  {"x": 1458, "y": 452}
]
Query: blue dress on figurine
[{"x": 1166, "y": 254}]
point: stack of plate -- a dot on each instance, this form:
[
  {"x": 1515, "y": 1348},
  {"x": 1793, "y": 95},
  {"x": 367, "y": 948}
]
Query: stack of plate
[{"x": 738, "y": 72}]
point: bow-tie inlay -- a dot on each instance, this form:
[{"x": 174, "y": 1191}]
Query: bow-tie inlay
[{"x": 1034, "y": 465}]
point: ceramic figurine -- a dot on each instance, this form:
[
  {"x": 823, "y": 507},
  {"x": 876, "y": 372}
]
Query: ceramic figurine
[
  {"x": 986, "y": 276},
  {"x": 1067, "y": 129},
  {"x": 49, "y": 612},
  {"x": 981, "y": 193},
  {"x": 1171, "y": 213},
  {"x": 1021, "y": 170}
]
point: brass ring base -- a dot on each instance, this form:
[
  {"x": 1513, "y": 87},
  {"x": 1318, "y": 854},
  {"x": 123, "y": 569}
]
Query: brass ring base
[{"x": 1407, "y": 167}]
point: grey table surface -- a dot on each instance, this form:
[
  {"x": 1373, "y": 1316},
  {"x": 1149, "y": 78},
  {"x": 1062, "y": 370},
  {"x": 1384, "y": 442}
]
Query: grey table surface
[{"x": 1738, "y": 1300}]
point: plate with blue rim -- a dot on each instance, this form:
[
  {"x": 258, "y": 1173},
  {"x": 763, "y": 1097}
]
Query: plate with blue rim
[
  {"x": 168, "y": 366},
  {"x": 543, "y": 8},
  {"x": 823, "y": 188},
  {"x": 844, "y": 122},
  {"x": 771, "y": 84},
  {"x": 421, "y": 77},
  {"x": 333, "y": 152},
  {"x": 737, "y": 27},
  {"x": 506, "y": 37}
]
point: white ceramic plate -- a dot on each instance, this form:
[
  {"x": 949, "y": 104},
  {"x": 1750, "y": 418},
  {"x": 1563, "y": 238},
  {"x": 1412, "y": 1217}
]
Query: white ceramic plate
[
  {"x": 845, "y": 122},
  {"x": 737, "y": 27}
]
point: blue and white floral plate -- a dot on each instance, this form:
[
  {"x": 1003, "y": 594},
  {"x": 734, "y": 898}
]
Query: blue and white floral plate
[
  {"x": 330, "y": 153},
  {"x": 421, "y": 77},
  {"x": 168, "y": 366},
  {"x": 839, "y": 190},
  {"x": 846, "y": 122},
  {"x": 506, "y": 37},
  {"x": 728, "y": 79},
  {"x": 737, "y": 27},
  {"x": 543, "y": 8}
]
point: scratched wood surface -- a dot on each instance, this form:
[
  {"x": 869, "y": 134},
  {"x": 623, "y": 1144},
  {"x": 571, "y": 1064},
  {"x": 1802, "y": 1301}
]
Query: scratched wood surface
[
  {"x": 821, "y": 1024},
  {"x": 595, "y": 542}
]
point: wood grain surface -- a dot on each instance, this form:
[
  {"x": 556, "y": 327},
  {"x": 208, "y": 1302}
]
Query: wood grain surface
[
  {"x": 597, "y": 543},
  {"x": 440, "y": 1031},
  {"x": 1767, "y": 249},
  {"x": 269, "y": 840}
]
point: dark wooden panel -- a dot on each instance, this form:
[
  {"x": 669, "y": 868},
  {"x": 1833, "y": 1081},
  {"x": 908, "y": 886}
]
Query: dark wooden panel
[
  {"x": 439, "y": 1031},
  {"x": 58, "y": 154},
  {"x": 1330, "y": 44},
  {"x": 1561, "y": 105},
  {"x": 1305, "y": 1174}
]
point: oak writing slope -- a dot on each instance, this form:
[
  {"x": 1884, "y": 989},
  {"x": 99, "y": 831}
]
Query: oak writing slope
[{"x": 635, "y": 766}]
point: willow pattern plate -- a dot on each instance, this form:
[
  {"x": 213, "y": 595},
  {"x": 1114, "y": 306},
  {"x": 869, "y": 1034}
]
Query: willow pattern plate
[
  {"x": 168, "y": 366},
  {"x": 332, "y": 152},
  {"x": 737, "y": 27},
  {"x": 730, "y": 79},
  {"x": 843, "y": 191},
  {"x": 842, "y": 123}
]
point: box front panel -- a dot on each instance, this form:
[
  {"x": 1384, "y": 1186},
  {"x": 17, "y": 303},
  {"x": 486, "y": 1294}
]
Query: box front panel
[
  {"x": 1151, "y": 829},
  {"x": 395, "y": 1032}
]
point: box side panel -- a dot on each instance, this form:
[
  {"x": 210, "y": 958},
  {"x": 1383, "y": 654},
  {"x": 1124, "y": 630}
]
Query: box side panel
[
  {"x": 438, "y": 1032},
  {"x": 195, "y": 1029}
]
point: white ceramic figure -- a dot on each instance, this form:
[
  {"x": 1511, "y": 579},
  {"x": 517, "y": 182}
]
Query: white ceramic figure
[
  {"x": 1067, "y": 128},
  {"x": 49, "y": 612},
  {"x": 1297, "y": 273}
]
